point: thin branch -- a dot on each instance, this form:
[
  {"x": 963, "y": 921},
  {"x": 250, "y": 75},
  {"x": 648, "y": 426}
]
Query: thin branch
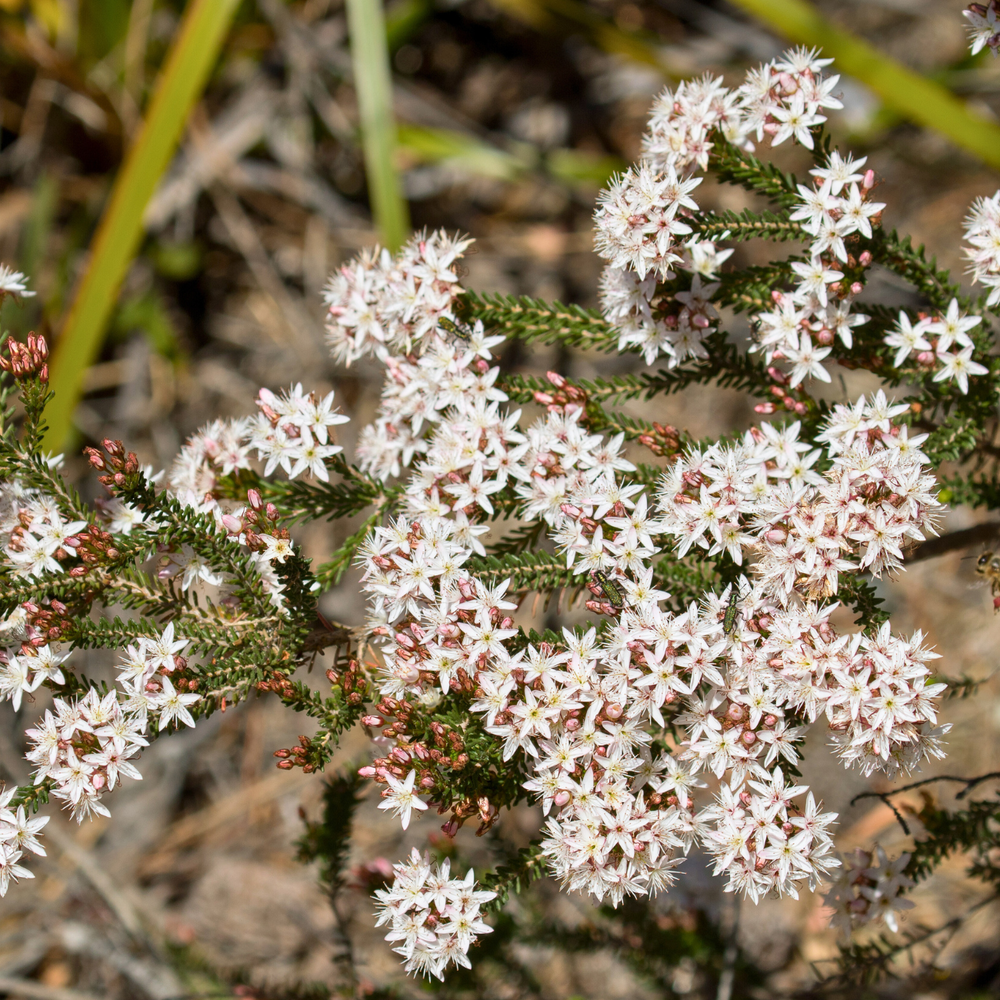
[
  {"x": 969, "y": 783},
  {"x": 980, "y": 534}
]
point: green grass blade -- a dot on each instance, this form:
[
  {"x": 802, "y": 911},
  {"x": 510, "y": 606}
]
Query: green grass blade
[
  {"x": 373, "y": 83},
  {"x": 909, "y": 94},
  {"x": 185, "y": 72}
]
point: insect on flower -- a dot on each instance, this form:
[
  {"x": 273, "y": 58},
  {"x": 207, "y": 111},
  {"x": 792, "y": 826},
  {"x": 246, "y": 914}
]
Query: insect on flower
[
  {"x": 610, "y": 590},
  {"x": 732, "y": 613},
  {"x": 459, "y": 330},
  {"x": 988, "y": 567}
]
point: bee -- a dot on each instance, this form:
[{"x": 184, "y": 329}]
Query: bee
[
  {"x": 459, "y": 330},
  {"x": 609, "y": 589},
  {"x": 988, "y": 567}
]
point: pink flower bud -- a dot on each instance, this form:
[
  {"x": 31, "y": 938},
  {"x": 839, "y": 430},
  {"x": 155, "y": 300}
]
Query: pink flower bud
[
  {"x": 561, "y": 797},
  {"x": 856, "y": 288},
  {"x": 865, "y": 259},
  {"x": 233, "y": 525},
  {"x": 765, "y": 408},
  {"x": 869, "y": 180},
  {"x": 367, "y": 771},
  {"x": 613, "y": 711},
  {"x": 254, "y": 499},
  {"x": 372, "y": 720},
  {"x": 450, "y": 828},
  {"x": 825, "y": 337},
  {"x": 749, "y": 737}
]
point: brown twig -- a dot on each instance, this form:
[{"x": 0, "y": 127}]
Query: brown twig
[
  {"x": 969, "y": 783},
  {"x": 980, "y": 534}
]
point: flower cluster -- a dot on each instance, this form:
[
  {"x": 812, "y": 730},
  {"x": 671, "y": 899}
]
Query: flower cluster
[
  {"x": 656, "y": 321},
  {"x": 677, "y": 717},
  {"x": 783, "y": 98},
  {"x": 23, "y": 672},
  {"x": 930, "y": 338},
  {"x": 984, "y": 26},
  {"x": 220, "y": 448},
  {"x": 293, "y": 431},
  {"x": 145, "y": 677},
  {"x": 391, "y": 306},
  {"x": 681, "y": 123},
  {"x": 804, "y": 323},
  {"x": 84, "y": 746},
  {"x": 402, "y": 311},
  {"x": 36, "y": 539},
  {"x": 767, "y": 495},
  {"x": 638, "y": 223},
  {"x": 434, "y": 919},
  {"x": 641, "y": 228},
  {"x": 982, "y": 230},
  {"x": 865, "y": 891},
  {"x": 17, "y": 835},
  {"x": 582, "y": 714}
]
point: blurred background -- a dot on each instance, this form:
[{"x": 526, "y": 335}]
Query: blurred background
[{"x": 511, "y": 114}]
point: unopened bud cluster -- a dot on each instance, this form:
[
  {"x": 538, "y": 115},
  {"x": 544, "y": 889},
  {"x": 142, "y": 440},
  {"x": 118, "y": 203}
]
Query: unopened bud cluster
[{"x": 25, "y": 360}]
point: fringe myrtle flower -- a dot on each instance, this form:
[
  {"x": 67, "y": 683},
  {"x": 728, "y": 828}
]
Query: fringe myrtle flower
[
  {"x": 982, "y": 230},
  {"x": 83, "y": 748},
  {"x": 292, "y": 431},
  {"x": 434, "y": 919},
  {"x": 783, "y": 99},
  {"x": 682, "y": 121},
  {"x": 378, "y": 304},
  {"x": 806, "y": 528},
  {"x": 984, "y": 26},
  {"x": 637, "y": 220},
  {"x": 13, "y": 283},
  {"x": 868, "y": 888},
  {"x": 931, "y": 340},
  {"x": 18, "y": 834}
]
